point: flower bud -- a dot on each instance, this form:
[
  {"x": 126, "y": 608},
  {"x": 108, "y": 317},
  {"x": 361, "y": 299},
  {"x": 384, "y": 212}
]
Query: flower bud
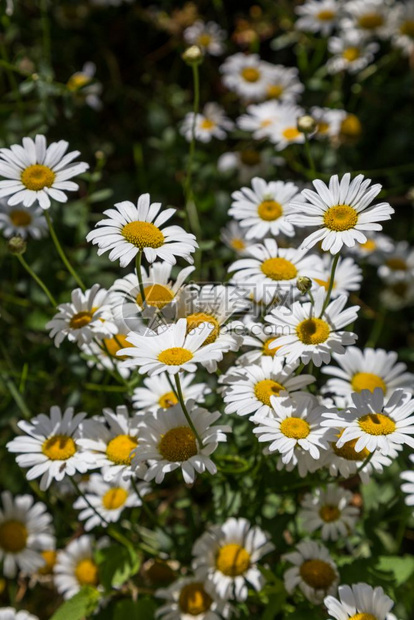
[
  {"x": 306, "y": 124},
  {"x": 303, "y": 284},
  {"x": 17, "y": 245},
  {"x": 193, "y": 55}
]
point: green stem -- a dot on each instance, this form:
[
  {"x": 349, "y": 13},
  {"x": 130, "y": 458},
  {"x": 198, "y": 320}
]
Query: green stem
[
  {"x": 17, "y": 397},
  {"x": 367, "y": 460},
  {"x": 37, "y": 280},
  {"x": 331, "y": 283},
  {"x": 82, "y": 494},
  {"x": 144, "y": 506},
  {"x": 377, "y": 328},
  {"x": 309, "y": 155},
  {"x": 192, "y": 214},
  {"x": 185, "y": 411},
  {"x": 61, "y": 253},
  {"x": 138, "y": 261}
]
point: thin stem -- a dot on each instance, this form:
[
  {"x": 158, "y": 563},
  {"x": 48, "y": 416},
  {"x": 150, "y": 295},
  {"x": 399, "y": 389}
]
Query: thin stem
[
  {"x": 310, "y": 156},
  {"x": 365, "y": 463},
  {"x": 190, "y": 206},
  {"x": 37, "y": 280},
  {"x": 184, "y": 408},
  {"x": 377, "y": 328},
  {"x": 138, "y": 261},
  {"x": 83, "y": 496},
  {"x": 61, "y": 253},
  {"x": 16, "y": 395},
  {"x": 144, "y": 506},
  {"x": 331, "y": 283}
]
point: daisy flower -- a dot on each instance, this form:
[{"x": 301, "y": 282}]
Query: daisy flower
[
  {"x": 260, "y": 119},
  {"x": 247, "y": 163},
  {"x": 158, "y": 392},
  {"x": 130, "y": 229},
  {"x": 398, "y": 264},
  {"x": 284, "y": 84},
  {"x": 227, "y": 555},
  {"x": 211, "y": 123},
  {"x": 285, "y": 131},
  {"x": 348, "y": 276},
  {"x": 402, "y": 27},
  {"x": 173, "y": 349},
  {"x": 168, "y": 442},
  {"x": 370, "y": 17},
  {"x": 258, "y": 338},
  {"x": 86, "y": 317},
  {"x": 234, "y": 237},
  {"x": 187, "y": 599},
  {"x": 25, "y": 530},
  {"x": 37, "y": 172},
  {"x": 248, "y": 390},
  {"x": 329, "y": 511},
  {"x": 50, "y": 447},
  {"x": 208, "y": 36},
  {"x": 84, "y": 88},
  {"x": 341, "y": 212},
  {"x": 351, "y": 51},
  {"x": 374, "y": 248},
  {"x": 366, "y": 370},
  {"x": 318, "y": 16},
  {"x": 408, "y": 486},
  {"x": 376, "y": 423},
  {"x": 110, "y": 441},
  {"x": 313, "y": 571},
  {"x": 246, "y": 75},
  {"x": 22, "y": 222},
  {"x": 108, "y": 499},
  {"x": 262, "y": 209},
  {"x": 75, "y": 567},
  {"x": 328, "y": 122},
  {"x": 308, "y": 334},
  {"x": 359, "y": 601},
  {"x": 397, "y": 296},
  {"x": 8, "y": 613}
]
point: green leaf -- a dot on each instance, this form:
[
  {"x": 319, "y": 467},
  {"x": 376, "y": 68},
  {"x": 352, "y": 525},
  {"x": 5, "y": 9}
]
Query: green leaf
[
  {"x": 79, "y": 606},
  {"x": 401, "y": 567},
  {"x": 127, "y": 609},
  {"x": 116, "y": 565}
]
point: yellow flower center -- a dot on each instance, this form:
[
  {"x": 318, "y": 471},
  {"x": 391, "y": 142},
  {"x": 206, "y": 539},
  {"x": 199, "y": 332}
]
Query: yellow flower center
[
  {"x": 363, "y": 616},
  {"x": 370, "y": 21},
  {"x": 119, "y": 449},
  {"x": 250, "y": 74},
  {"x": 233, "y": 560},
  {"x": 37, "y": 177},
  {"x": 115, "y": 344},
  {"x": 86, "y": 572},
  {"x": 326, "y": 15},
  {"x": 274, "y": 91},
  {"x": 369, "y": 245},
  {"x": 400, "y": 289},
  {"x": 313, "y": 331},
  {"x": 265, "y": 389},
  {"x": 204, "y": 39},
  {"x": 295, "y": 428},
  {"x": 279, "y": 269},
  {"x": 207, "y": 123},
  {"x": 175, "y": 356},
  {"x": 329, "y": 513},
  {"x": 49, "y": 557},
  {"x": 340, "y": 217},
  {"x": 59, "y": 448},
  {"x": 143, "y": 235},
  {"x": 20, "y": 217},
  {"x": 407, "y": 28},
  {"x": 348, "y": 451},
  {"x": 238, "y": 244},
  {"x": 351, "y": 53},
  {"x": 291, "y": 133},
  {"x": 377, "y": 424},
  {"x": 13, "y": 536},
  {"x": 178, "y": 444},
  {"x": 323, "y": 127},
  {"x": 269, "y": 210},
  {"x": 351, "y": 126},
  {"x": 249, "y": 157},
  {"x": 324, "y": 283},
  {"x": 196, "y": 319},
  {"x": 81, "y": 319},
  {"x": 156, "y": 295},
  {"x": 367, "y": 381},
  {"x": 114, "y": 498},
  {"x": 266, "y": 122},
  {"x": 168, "y": 400},
  {"x": 266, "y": 347},
  {"x": 194, "y": 600},
  {"x": 78, "y": 80},
  {"x": 396, "y": 264},
  {"x": 317, "y": 574}
]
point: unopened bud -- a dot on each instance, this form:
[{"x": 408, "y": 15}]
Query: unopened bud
[
  {"x": 193, "y": 55},
  {"x": 304, "y": 284},
  {"x": 17, "y": 245},
  {"x": 306, "y": 124}
]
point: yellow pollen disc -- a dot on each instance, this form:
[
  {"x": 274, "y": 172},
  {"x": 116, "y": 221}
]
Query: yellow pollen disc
[
  {"x": 317, "y": 574},
  {"x": 233, "y": 560},
  {"x": 377, "y": 424},
  {"x": 291, "y": 133},
  {"x": 204, "y": 40},
  {"x": 340, "y": 217},
  {"x": 20, "y": 217},
  {"x": 206, "y": 123},
  {"x": 363, "y": 616},
  {"x": 274, "y": 91},
  {"x": 279, "y": 269},
  {"x": 407, "y": 28},
  {"x": 59, "y": 448},
  {"x": 329, "y": 513},
  {"x": 156, "y": 295},
  {"x": 396, "y": 264},
  {"x": 168, "y": 400},
  {"x": 370, "y": 21},
  {"x": 323, "y": 127},
  {"x": 313, "y": 331},
  {"x": 78, "y": 80},
  {"x": 351, "y": 53},
  {"x": 295, "y": 428},
  {"x": 86, "y": 572},
  {"x": 266, "y": 122},
  {"x": 37, "y": 177},
  {"x": 115, "y": 344},
  {"x": 265, "y": 389},
  {"x": 266, "y": 347},
  {"x": 194, "y": 600},
  {"x": 269, "y": 210},
  {"x": 196, "y": 319},
  {"x": 143, "y": 235},
  {"x": 49, "y": 557},
  {"x": 81, "y": 319},
  {"x": 369, "y": 245},
  {"x": 367, "y": 381},
  {"x": 160, "y": 572},
  {"x": 13, "y": 536},
  {"x": 119, "y": 449},
  {"x": 326, "y": 16},
  {"x": 114, "y": 498},
  {"x": 351, "y": 126},
  {"x": 324, "y": 283},
  {"x": 348, "y": 451},
  {"x": 178, "y": 444},
  {"x": 237, "y": 244},
  {"x": 175, "y": 356},
  {"x": 250, "y": 74},
  {"x": 249, "y": 157}
]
